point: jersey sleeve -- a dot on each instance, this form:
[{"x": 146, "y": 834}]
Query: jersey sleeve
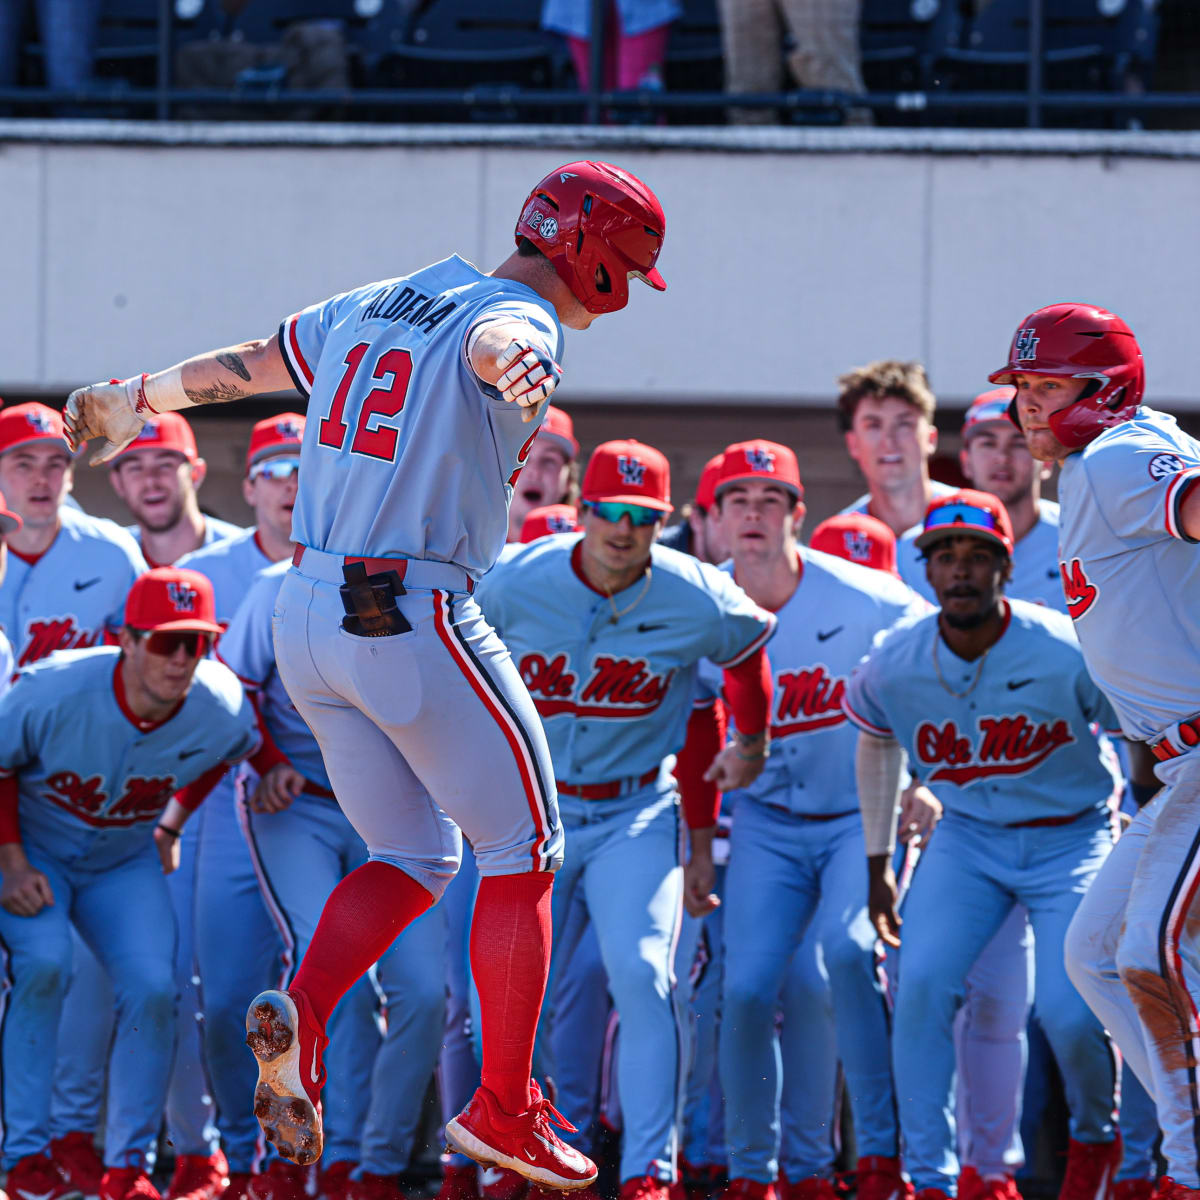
[
  {"x": 247, "y": 647},
  {"x": 863, "y": 703},
  {"x": 7, "y": 663},
  {"x": 19, "y": 735},
  {"x": 739, "y": 626},
  {"x": 1139, "y": 485},
  {"x": 542, "y": 330},
  {"x": 302, "y": 338}
]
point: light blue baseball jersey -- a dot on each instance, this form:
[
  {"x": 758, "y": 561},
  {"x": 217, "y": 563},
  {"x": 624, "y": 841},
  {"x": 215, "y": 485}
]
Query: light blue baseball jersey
[
  {"x": 231, "y": 566},
  {"x": 74, "y": 592},
  {"x": 92, "y": 780},
  {"x": 615, "y": 696},
  {"x": 824, "y": 630},
  {"x": 248, "y": 649},
  {"x": 1035, "y": 574},
  {"x": 215, "y": 530},
  {"x": 1018, "y": 745},
  {"x": 1129, "y": 573},
  {"x": 6, "y": 664},
  {"x": 863, "y": 503},
  {"x": 406, "y": 454}
]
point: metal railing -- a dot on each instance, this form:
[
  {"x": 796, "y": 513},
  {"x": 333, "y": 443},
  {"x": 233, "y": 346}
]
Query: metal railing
[{"x": 593, "y": 104}]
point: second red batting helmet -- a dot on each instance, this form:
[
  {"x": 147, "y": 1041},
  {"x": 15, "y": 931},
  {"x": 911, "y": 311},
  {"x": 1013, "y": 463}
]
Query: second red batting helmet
[
  {"x": 1080, "y": 341},
  {"x": 597, "y": 224}
]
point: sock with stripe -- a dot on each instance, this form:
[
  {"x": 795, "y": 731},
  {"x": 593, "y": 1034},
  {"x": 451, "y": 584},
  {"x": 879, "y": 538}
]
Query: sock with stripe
[
  {"x": 363, "y": 916},
  {"x": 510, "y": 959}
]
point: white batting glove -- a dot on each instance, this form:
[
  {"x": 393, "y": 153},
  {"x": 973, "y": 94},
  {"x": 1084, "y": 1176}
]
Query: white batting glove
[
  {"x": 115, "y": 411},
  {"x": 529, "y": 377}
]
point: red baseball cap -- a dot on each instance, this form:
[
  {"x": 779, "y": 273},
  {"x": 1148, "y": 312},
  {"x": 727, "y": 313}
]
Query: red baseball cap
[
  {"x": 988, "y": 408},
  {"x": 550, "y": 518},
  {"x": 857, "y": 538},
  {"x": 164, "y": 431},
  {"x": 759, "y": 459},
  {"x": 706, "y": 489},
  {"x": 978, "y": 514},
  {"x": 628, "y": 472},
  {"x": 559, "y": 430},
  {"x": 171, "y": 598},
  {"x": 275, "y": 435},
  {"x": 10, "y": 521},
  {"x": 32, "y": 422}
]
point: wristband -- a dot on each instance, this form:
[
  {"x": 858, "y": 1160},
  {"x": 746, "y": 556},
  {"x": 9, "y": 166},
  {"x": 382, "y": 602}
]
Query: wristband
[
  {"x": 159, "y": 393},
  {"x": 175, "y": 833}
]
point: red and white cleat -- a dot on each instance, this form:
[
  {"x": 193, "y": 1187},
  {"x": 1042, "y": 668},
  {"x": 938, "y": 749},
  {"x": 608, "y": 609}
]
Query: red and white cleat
[
  {"x": 645, "y": 1187},
  {"x": 1091, "y": 1170},
  {"x": 1136, "y": 1189},
  {"x": 75, "y": 1156},
  {"x": 199, "y": 1177},
  {"x": 35, "y": 1177},
  {"x": 288, "y": 1043},
  {"x": 127, "y": 1183},
  {"x": 526, "y": 1143},
  {"x": 878, "y": 1178},
  {"x": 459, "y": 1183},
  {"x": 814, "y": 1187}
]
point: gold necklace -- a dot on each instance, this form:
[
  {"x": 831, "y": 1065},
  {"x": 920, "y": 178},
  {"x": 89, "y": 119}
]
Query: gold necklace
[
  {"x": 938, "y": 671},
  {"x": 620, "y": 612}
]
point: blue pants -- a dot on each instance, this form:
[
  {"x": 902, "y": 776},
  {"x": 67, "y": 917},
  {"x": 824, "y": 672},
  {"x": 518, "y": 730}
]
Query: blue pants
[
  {"x": 624, "y": 856},
  {"x": 977, "y": 871},
  {"x": 376, "y": 1084},
  {"x": 234, "y": 968},
  {"x": 124, "y": 914},
  {"x": 79, "y": 1077},
  {"x": 785, "y": 874}
]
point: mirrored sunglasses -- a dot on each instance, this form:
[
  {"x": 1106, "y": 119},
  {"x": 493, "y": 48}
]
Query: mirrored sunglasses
[
  {"x": 167, "y": 641},
  {"x": 275, "y": 468},
  {"x": 613, "y": 512},
  {"x": 963, "y": 514}
]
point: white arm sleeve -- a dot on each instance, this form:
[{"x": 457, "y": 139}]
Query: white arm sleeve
[{"x": 878, "y": 767}]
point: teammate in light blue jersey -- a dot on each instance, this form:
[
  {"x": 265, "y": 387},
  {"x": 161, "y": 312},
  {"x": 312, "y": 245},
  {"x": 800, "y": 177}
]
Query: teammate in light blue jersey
[
  {"x": 1129, "y": 523},
  {"x": 10, "y": 522},
  {"x": 157, "y": 476},
  {"x": 94, "y": 746},
  {"x": 421, "y": 386},
  {"x": 608, "y": 630},
  {"x": 995, "y": 459},
  {"x": 992, "y": 702}
]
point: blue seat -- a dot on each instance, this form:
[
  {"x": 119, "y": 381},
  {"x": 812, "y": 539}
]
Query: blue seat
[{"x": 901, "y": 40}]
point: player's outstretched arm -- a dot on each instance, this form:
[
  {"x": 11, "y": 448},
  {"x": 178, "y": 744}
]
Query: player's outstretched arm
[
  {"x": 117, "y": 410},
  {"x": 506, "y": 356},
  {"x": 1189, "y": 513},
  {"x": 878, "y": 767}
]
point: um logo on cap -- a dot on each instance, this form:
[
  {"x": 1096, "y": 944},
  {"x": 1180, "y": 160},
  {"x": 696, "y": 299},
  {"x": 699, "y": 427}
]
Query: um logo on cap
[
  {"x": 633, "y": 470},
  {"x": 1025, "y": 346},
  {"x": 39, "y": 421},
  {"x": 858, "y": 545},
  {"x": 558, "y": 524},
  {"x": 758, "y": 459},
  {"x": 147, "y": 432},
  {"x": 182, "y": 597},
  {"x": 289, "y": 429}
]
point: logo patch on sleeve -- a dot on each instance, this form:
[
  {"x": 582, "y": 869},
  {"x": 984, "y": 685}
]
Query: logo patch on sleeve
[{"x": 1163, "y": 466}]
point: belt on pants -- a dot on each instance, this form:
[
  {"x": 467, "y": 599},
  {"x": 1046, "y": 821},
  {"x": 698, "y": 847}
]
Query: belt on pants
[
  {"x": 800, "y": 816},
  {"x": 1186, "y": 734},
  {"x": 315, "y": 789},
  {"x": 419, "y": 573},
  {"x": 606, "y": 791},
  {"x": 1044, "y": 822}
]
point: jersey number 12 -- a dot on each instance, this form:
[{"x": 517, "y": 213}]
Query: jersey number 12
[{"x": 382, "y": 402}]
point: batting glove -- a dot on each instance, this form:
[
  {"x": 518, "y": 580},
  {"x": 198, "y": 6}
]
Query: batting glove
[
  {"x": 114, "y": 411},
  {"x": 529, "y": 377}
]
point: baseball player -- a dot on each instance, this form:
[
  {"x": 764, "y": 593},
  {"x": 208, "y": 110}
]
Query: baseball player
[
  {"x": 227, "y": 892},
  {"x": 94, "y": 747},
  {"x": 10, "y": 522},
  {"x": 437, "y": 369},
  {"x": 157, "y": 476},
  {"x": 858, "y": 538},
  {"x": 699, "y": 533},
  {"x": 610, "y": 656},
  {"x": 1129, "y": 512},
  {"x": 885, "y": 412},
  {"x": 551, "y": 471},
  {"x": 796, "y": 846},
  {"x": 548, "y": 520},
  {"x": 301, "y": 846},
  {"x": 994, "y": 706}
]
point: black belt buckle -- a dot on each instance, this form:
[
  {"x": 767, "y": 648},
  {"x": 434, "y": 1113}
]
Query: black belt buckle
[{"x": 370, "y": 602}]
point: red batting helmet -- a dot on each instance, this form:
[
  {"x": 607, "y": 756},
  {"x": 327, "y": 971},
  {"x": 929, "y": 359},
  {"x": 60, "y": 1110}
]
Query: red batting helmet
[
  {"x": 597, "y": 224},
  {"x": 1080, "y": 341}
]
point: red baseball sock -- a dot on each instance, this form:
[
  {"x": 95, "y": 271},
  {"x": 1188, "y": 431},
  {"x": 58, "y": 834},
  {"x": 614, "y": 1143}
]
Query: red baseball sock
[
  {"x": 510, "y": 959},
  {"x": 363, "y": 916}
]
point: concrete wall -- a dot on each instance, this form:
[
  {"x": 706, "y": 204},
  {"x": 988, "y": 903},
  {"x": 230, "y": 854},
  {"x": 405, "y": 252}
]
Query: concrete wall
[{"x": 785, "y": 268}]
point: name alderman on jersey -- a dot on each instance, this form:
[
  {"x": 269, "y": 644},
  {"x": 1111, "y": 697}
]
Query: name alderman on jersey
[
  {"x": 97, "y": 747},
  {"x": 425, "y": 391}
]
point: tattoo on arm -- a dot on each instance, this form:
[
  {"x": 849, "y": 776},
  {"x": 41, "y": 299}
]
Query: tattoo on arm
[
  {"x": 218, "y": 393},
  {"x": 233, "y": 362}
]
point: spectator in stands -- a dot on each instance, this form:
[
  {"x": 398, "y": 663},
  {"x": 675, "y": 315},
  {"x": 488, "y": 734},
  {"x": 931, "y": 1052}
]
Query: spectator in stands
[
  {"x": 67, "y": 30},
  {"x": 635, "y": 40},
  {"x": 822, "y": 50}
]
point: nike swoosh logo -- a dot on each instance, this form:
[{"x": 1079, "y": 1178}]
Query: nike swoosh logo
[
  {"x": 83, "y": 584},
  {"x": 824, "y": 637},
  {"x": 1013, "y": 684},
  {"x": 1052, "y": 573},
  {"x": 189, "y": 753},
  {"x": 529, "y": 1154},
  {"x": 644, "y": 628},
  {"x": 314, "y": 1071}
]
